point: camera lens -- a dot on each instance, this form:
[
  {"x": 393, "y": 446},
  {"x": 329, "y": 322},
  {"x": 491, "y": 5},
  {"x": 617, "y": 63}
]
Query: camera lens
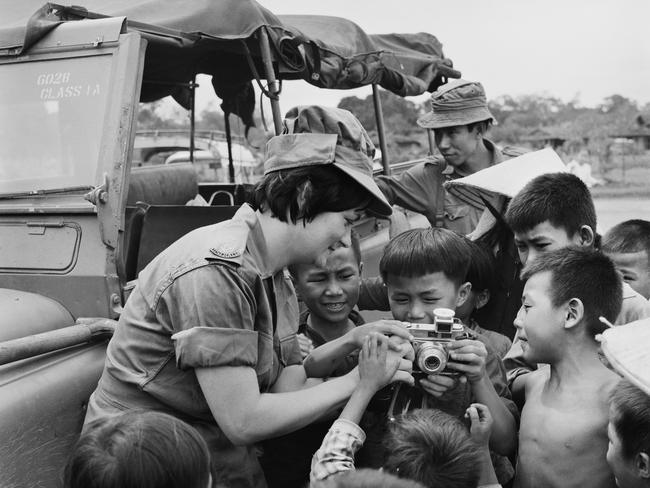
[
  {"x": 431, "y": 358},
  {"x": 432, "y": 363}
]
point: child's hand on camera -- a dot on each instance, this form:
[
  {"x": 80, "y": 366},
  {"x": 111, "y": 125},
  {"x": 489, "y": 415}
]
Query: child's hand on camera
[
  {"x": 468, "y": 357},
  {"x": 480, "y": 423}
]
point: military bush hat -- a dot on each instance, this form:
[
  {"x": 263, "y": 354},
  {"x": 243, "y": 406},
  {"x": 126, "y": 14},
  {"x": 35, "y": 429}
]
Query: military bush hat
[
  {"x": 316, "y": 135},
  {"x": 458, "y": 102}
]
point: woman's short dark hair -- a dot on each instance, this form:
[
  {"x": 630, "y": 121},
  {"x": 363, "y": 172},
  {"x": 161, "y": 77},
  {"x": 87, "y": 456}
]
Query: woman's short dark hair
[
  {"x": 304, "y": 193},
  {"x": 139, "y": 449},
  {"x": 433, "y": 448},
  {"x": 418, "y": 252}
]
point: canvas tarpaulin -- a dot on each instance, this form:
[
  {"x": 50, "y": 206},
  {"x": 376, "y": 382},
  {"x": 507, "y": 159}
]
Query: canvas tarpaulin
[{"x": 221, "y": 39}]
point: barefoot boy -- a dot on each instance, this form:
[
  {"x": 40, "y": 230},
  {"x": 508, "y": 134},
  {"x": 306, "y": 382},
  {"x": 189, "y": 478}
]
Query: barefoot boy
[{"x": 563, "y": 431}]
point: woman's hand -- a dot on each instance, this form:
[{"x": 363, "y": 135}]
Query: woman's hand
[{"x": 358, "y": 335}]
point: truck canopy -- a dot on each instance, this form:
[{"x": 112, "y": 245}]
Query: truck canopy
[{"x": 189, "y": 37}]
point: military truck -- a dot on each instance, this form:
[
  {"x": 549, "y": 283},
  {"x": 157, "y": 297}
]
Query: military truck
[{"x": 78, "y": 222}]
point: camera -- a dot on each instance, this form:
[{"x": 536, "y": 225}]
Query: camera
[{"x": 431, "y": 341}]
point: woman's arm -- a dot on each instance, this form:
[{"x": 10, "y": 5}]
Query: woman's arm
[
  {"x": 324, "y": 359},
  {"x": 247, "y": 416}
]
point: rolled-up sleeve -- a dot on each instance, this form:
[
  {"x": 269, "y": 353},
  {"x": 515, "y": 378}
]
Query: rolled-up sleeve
[
  {"x": 202, "y": 347},
  {"x": 414, "y": 189},
  {"x": 211, "y": 310}
]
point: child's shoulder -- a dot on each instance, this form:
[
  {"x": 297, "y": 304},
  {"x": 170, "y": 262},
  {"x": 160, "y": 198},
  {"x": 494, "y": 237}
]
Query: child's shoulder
[{"x": 535, "y": 378}]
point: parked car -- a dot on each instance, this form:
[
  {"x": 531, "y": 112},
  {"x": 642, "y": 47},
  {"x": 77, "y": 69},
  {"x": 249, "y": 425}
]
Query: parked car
[{"x": 206, "y": 164}]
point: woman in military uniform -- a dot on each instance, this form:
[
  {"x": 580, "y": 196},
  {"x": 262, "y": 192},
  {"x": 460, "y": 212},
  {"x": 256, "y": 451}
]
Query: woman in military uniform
[{"x": 209, "y": 332}]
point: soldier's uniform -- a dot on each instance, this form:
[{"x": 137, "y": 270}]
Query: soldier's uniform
[
  {"x": 418, "y": 189},
  {"x": 208, "y": 300}
]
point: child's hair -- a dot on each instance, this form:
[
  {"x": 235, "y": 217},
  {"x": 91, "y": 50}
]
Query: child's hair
[
  {"x": 628, "y": 237},
  {"x": 561, "y": 198},
  {"x": 630, "y": 417},
  {"x": 433, "y": 448},
  {"x": 139, "y": 449},
  {"x": 586, "y": 274},
  {"x": 418, "y": 252},
  {"x": 306, "y": 192},
  {"x": 366, "y": 478},
  {"x": 482, "y": 271}
]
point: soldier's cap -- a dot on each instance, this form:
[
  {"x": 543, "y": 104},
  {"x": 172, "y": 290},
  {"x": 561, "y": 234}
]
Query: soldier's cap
[
  {"x": 314, "y": 135},
  {"x": 627, "y": 348},
  {"x": 458, "y": 102}
]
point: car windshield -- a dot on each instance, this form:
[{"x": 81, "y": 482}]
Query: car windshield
[{"x": 51, "y": 121}]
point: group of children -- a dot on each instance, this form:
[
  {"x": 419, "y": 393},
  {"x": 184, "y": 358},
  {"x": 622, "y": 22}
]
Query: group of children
[{"x": 575, "y": 413}]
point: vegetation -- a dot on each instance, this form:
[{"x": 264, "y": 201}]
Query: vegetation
[{"x": 586, "y": 131}]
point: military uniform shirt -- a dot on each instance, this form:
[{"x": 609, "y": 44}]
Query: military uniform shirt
[
  {"x": 206, "y": 301},
  {"x": 416, "y": 188}
]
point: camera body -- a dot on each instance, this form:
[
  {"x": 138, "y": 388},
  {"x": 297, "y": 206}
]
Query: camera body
[{"x": 431, "y": 341}]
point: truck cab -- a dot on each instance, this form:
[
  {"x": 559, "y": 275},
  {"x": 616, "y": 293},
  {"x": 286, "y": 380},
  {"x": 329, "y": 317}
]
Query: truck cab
[{"x": 78, "y": 220}]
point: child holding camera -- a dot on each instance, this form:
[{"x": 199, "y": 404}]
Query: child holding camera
[
  {"x": 425, "y": 269},
  {"x": 430, "y": 446}
]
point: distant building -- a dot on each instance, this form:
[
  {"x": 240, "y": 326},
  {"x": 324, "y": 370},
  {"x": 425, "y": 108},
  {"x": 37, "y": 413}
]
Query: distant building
[
  {"x": 639, "y": 133},
  {"x": 544, "y": 137}
]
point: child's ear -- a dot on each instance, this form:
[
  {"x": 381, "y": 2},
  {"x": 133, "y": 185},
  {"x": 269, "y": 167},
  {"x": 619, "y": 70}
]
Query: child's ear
[
  {"x": 575, "y": 311},
  {"x": 643, "y": 465},
  {"x": 587, "y": 236},
  {"x": 463, "y": 293},
  {"x": 482, "y": 298}
]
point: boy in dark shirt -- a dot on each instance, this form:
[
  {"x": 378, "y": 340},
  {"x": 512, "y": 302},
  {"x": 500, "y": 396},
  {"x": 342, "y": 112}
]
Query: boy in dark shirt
[{"x": 329, "y": 291}]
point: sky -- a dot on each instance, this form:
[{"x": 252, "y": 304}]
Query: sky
[{"x": 582, "y": 50}]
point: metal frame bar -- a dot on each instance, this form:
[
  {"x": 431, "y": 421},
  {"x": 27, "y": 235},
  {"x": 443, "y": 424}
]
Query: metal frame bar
[
  {"x": 274, "y": 88},
  {"x": 379, "y": 117}
]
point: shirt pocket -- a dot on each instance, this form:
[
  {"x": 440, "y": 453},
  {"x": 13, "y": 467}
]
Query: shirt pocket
[
  {"x": 290, "y": 350},
  {"x": 455, "y": 212}
]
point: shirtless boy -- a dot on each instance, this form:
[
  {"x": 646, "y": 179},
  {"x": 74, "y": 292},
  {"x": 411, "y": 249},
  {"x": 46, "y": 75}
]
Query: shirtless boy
[{"x": 563, "y": 432}]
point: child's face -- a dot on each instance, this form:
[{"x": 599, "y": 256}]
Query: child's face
[
  {"x": 538, "y": 322},
  {"x": 412, "y": 299},
  {"x": 623, "y": 469},
  {"x": 634, "y": 269},
  {"x": 544, "y": 237},
  {"x": 330, "y": 291}
]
